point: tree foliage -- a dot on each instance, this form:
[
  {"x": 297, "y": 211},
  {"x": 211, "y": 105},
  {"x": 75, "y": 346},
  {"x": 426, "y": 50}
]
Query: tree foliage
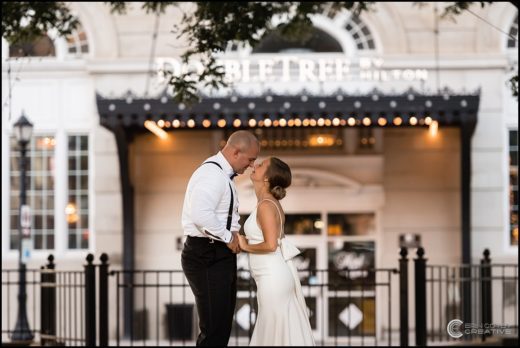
[
  {"x": 459, "y": 7},
  {"x": 208, "y": 29},
  {"x": 24, "y": 21}
]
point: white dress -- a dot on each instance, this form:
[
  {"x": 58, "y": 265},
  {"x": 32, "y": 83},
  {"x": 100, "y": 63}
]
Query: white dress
[{"x": 282, "y": 313}]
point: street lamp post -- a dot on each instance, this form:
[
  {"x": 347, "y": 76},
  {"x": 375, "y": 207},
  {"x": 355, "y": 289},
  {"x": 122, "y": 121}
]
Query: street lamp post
[{"x": 22, "y": 332}]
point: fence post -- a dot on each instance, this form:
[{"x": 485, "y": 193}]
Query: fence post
[
  {"x": 403, "y": 297},
  {"x": 485, "y": 278},
  {"x": 90, "y": 302},
  {"x": 48, "y": 302},
  {"x": 44, "y": 304},
  {"x": 420, "y": 298},
  {"x": 103, "y": 301}
]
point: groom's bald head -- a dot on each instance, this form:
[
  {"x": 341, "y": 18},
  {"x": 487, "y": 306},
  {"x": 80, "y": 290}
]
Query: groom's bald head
[
  {"x": 243, "y": 140},
  {"x": 241, "y": 150}
]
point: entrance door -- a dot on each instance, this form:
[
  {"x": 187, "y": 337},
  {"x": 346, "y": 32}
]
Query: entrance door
[{"x": 335, "y": 226}]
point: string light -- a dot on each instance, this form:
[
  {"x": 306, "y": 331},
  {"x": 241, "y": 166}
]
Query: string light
[
  {"x": 381, "y": 121},
  {"x": 398, "y": 121},
  {"x": 237, "y": 123},
  {"x": 351, "y": 121},
  {"x": 367, "y": 121},
  {"x": 206, "y": 123},
  {"x": 252, "y": 122},
  {"x": 413, "y": 120}
]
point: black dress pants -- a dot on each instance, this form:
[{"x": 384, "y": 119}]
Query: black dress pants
[{"x": 211, "y": 270}]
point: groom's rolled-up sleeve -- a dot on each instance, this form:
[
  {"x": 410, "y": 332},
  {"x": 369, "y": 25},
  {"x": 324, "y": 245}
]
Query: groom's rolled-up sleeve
[{"x": 205, "y": 199}]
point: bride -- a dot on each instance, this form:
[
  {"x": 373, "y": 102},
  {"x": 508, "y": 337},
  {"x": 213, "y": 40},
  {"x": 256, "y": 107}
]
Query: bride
[{"x": 282, "y": 313}]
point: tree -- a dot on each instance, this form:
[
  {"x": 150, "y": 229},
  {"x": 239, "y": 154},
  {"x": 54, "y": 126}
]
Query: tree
[{"x": 208, "y": 29}]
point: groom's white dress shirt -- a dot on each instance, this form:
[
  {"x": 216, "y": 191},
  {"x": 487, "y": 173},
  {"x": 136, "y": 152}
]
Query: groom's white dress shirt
[{"x": 206, "y": 204}]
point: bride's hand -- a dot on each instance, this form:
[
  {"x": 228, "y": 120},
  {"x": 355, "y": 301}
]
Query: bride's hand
[{"x": 242, "y": 242}]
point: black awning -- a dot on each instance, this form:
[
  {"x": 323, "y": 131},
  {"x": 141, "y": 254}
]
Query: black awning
[{"x": 269, "y": 110}]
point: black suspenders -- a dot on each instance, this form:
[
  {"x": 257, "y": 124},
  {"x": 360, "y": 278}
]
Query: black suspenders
[{"x": 230, "y": 212}]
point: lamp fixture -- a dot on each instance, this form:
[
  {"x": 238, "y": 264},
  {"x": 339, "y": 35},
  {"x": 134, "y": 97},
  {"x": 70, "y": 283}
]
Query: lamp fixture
[
  {"x": 152, "y": 127},
  {"x": 322, "y": 140},
  {"x": 433, "y": 129}
]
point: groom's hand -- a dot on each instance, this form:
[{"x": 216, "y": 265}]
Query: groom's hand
[{"x": 233, "y": 245}]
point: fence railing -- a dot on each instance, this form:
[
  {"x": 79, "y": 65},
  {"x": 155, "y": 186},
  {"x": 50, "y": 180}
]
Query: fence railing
[
  {"x": 476, "y": 301},
  {"x": 346, "y": 307}
]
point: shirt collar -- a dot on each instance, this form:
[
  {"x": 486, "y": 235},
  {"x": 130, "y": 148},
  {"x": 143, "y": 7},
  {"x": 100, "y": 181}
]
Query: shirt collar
[{"x": 226, "y": 167}]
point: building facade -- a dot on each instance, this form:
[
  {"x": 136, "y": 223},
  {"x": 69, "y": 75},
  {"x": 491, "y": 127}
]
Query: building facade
[{"x": 358, "y": 194}]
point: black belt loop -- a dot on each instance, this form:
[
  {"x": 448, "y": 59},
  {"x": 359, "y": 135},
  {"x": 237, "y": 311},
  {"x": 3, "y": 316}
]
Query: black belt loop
[{"x": 230, "y": 211}]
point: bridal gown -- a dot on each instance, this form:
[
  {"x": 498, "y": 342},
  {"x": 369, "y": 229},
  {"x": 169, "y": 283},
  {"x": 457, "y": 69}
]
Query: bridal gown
[{"x": 282, "y": 313}]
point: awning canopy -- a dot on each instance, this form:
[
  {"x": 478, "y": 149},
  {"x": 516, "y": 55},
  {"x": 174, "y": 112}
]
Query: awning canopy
[{"x": 268, "y": 110}]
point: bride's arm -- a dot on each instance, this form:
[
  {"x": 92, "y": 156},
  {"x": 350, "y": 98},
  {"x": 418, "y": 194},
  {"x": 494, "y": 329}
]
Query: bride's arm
[{"x": 268, "y": 221}]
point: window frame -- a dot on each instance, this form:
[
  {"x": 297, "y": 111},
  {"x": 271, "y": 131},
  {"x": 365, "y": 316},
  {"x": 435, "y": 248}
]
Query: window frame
[
  {"x": 44, "y": 194},
  {"x": 61, "y": 249}
]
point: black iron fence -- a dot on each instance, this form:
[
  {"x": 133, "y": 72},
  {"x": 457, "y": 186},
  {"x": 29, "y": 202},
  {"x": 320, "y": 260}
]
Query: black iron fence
[
  {"x": 465, "y": 302},
  {"x": 346, "y": 307},
  {"x": 335, "y": 309}
]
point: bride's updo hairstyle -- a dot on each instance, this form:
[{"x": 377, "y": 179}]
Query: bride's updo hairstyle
[{"x": 279, "y": 177}]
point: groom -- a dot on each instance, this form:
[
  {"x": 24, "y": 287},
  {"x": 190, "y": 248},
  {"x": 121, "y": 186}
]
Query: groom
[{"x": 210, "y": 222}]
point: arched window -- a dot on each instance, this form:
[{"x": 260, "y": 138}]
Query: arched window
[
  {"x": 360, "y": 33},
  {"x": 513, "y": 31},
  {"x": 40, "y": 47},
  {"x": 317, "y": 41},
  {"x": 77, "y": 43}
]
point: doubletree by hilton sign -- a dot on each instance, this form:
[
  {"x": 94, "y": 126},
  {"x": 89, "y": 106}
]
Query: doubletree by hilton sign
[{"x": 295, "y": 69}]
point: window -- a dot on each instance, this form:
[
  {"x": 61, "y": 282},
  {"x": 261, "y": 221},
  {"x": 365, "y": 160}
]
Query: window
[
  {"x": 303, "y": 224},
  {"x": 77, "y": 209},
  {"x": 351, "y": 224},
  {"x": 40, "y": 191},
  {"x": 43, "y": 164},
  {"x": 40, "y": 47},
  {"x": 513, "y": 187},
  {"x": 77, "y": 43},
  {"x": 316, "y": 41},
  {"x": 360, "y": 33}
]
